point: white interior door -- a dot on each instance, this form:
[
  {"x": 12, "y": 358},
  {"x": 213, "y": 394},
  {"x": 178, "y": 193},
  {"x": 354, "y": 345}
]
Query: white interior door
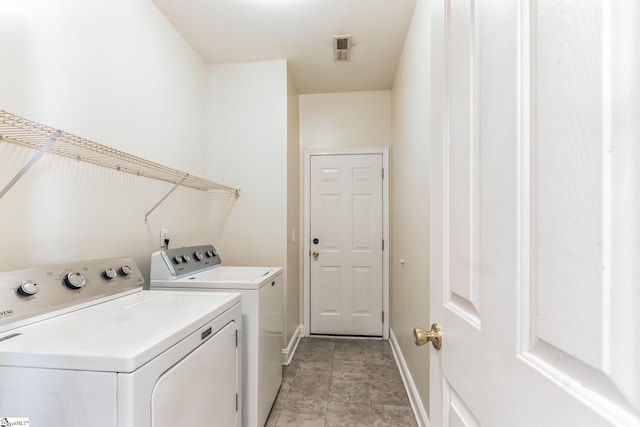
[
  {"x": 535, "y": 213},
  {"x": 346, "y": 244}
]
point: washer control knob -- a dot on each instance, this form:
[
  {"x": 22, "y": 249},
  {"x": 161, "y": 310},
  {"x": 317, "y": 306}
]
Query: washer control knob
[
  {"x": 198, "y": 256},
  {"x": 126, "y": 270},
  {"x": 75, "y": 280},
  {"x": 110, "y": 273},
  {"x": 29, "y": 288},
  {"x": 177, "y": 259},
  {"x": 186, "y": 258},
  {"x": 210, "y": 254}
]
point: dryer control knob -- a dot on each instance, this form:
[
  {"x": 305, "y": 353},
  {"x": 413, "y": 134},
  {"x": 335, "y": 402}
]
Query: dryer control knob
[
  {"x": 198, "y": 256},
  {"x": 29, "y": 288},
  {"x": 186, "y": 258},
  {"x": 126, "y": 270},
  {"x": 210, "y": 254},
  {"x": 109, "y": 273},
  {"x": 177, "y": 259},
  {"x": 75, "y": 280}
]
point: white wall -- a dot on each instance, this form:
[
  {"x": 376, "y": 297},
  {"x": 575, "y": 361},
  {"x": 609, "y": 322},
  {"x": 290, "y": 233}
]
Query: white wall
[
  {"x": 114, "y": 72},
  {"x": 251, "y": 122},
  {"x": 117, "y": 73},
  {"x": 247, "y": 147},
  {"x": 346, "y": 120},
  {"x": 410, "y": 200}
]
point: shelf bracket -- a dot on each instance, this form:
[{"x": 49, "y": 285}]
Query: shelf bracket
[
  {"x": 165, "y": 196},
  {"x": 31, "y": 162}
]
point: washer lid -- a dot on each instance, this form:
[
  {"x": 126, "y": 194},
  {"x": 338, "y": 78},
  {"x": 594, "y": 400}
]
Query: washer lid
[
  {"x": 115, "y": 336},
  {"x": 223, "y": 277}
]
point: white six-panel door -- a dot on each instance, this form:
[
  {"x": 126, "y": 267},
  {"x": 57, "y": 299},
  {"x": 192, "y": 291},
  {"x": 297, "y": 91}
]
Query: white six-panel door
[
  {"x": 346, "y": 219},
  {"x": 535, "y": 213}
]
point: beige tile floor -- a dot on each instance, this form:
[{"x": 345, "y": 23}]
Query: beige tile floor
[{"x": 342, "y": 382}]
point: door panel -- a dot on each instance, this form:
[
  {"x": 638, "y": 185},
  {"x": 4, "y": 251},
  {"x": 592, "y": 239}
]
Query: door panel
[
  {"x": 567, "y": 179},
  {"x": 329, "y": 218},
  {"x": 361, "y": 220},
  {"x": 463, "y": 288},
  {"x": 567, "y": 240},
  {"x": 360, "y": 279},
  {"x": 530, "y": 282},
  {"x": 457, "y": 412},
  {"x": 331, "y": 277},
  {"x": 201, "y": 388},
  {"x": 346, "y": 218}
]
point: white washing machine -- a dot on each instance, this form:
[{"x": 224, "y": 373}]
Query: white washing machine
[
  {"x": 82, "y": 344},
  {"x": 199, "y": 268}
]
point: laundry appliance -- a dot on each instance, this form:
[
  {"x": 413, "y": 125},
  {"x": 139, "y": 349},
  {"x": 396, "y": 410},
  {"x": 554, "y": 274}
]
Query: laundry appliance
[
  {"x": 199, "y": 268},
  {"x": 82, "y": 344}
]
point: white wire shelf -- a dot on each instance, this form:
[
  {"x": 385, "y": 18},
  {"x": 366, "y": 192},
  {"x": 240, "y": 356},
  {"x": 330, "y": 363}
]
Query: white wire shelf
[
  {"x": 26, "y": 132},
  {"x": 44, "y": 138}
]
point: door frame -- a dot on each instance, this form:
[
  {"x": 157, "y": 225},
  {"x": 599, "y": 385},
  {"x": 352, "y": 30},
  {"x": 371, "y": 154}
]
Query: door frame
[{"x": 306, "y": 251}]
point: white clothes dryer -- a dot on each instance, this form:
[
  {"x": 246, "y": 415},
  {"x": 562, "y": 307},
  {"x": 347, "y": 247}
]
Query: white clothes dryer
[
  {"x": 82, "y": 344},
  {"x": 198, "y": 268}
]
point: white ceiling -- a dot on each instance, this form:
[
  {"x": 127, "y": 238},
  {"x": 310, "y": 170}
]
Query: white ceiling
[{"x": 301, "y": 31}]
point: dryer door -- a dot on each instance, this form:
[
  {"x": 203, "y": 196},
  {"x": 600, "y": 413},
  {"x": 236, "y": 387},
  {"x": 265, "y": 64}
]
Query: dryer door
[{"x": 200, "y": 390}]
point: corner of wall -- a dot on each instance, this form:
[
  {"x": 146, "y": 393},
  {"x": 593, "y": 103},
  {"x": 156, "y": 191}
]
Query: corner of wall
[
  {"x": 414, "y": 398},
  {"x": 293, "y": 287},
  {"x": 289, "y": 351},
  {"x": 410, "y": 175}
]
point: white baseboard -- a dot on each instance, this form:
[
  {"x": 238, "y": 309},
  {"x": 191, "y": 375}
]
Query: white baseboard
[
  {"x": 416, "y": 404},
  {"x": 287, "y": 353}
]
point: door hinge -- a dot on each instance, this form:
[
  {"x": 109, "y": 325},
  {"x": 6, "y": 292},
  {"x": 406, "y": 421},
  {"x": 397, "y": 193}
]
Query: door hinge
[
  {"x": 236, "y": 402},
  {"x": 383, "y": 244},
  {"x": 382, "y": 173},
  {"x": 236, "y": 338},
  {"x": 383, "y": 316}
]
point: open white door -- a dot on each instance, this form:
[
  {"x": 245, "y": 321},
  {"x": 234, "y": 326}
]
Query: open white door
[{"x": 535, "y": 212}]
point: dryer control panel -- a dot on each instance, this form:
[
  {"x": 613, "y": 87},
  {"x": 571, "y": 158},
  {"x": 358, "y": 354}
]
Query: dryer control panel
[
  {"x": 174, "y": 263},
  {"x": 38, "y": 293}
]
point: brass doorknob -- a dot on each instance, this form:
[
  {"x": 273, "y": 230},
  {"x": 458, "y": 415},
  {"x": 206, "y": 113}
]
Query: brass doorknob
[
  {"x": 315, "y": 254},
  {"x": 421, "y": 337}
]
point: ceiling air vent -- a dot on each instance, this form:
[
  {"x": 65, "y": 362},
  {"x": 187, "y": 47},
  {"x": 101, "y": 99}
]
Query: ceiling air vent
[{"x": 342, "y": 48}]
